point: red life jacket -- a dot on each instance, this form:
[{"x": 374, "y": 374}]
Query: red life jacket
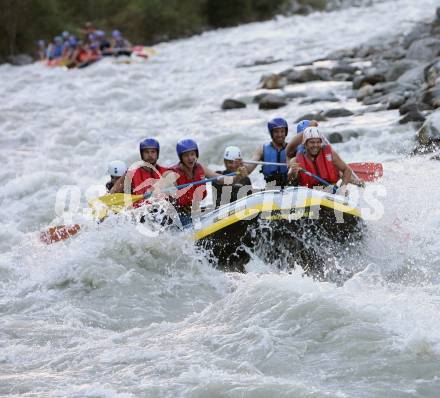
[
  {"x": 186, "y": 195},
  {"x": 143, "y": 180},
  {"x": 323, "y": 167}
]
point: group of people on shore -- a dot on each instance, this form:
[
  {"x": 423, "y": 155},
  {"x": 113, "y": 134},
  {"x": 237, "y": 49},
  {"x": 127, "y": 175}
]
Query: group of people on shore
[
  {"x": 283, "y": 164},
  {"x": 90, "y": 45}
]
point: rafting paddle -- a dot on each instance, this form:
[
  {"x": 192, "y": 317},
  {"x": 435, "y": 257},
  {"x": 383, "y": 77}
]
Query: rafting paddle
[
  {"x": 60, "y": 232},
  {"x": 365, "y": 171},
  {"x": 115, "y": 202},
  {"x": 118, "y": 200}
]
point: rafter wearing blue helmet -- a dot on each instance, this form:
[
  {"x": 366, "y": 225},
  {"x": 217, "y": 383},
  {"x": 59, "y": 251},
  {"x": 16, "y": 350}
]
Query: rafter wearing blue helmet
[
  {"x": 274, "y": 152},
  {"x": 190, "y": 170},
  {"x": 142, "y": 178}
]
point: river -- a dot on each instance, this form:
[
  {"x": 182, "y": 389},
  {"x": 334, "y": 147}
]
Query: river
[{"x": 112, "y": 313}]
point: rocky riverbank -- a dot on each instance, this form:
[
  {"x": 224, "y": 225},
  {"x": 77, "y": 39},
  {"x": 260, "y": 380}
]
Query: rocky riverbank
[{"x": 400, "y": 73}]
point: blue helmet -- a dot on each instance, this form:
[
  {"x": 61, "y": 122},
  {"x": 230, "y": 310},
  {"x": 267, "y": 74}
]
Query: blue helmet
[
  {"x": 150, "y": 143},
  {"x": 277, "y": 122},
  {"x": 303, "y": 124},
  {"x": 186, "y": 146},
  {"x": 72, "y": 41},
  {"x": 116, "y": 33}
]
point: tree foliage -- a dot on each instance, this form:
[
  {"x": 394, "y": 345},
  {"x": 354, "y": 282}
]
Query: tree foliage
[{"x": 23, "y": 22}]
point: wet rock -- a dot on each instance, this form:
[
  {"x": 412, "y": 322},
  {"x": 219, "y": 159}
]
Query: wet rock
[
  {"x": 395, "y": 101},
  {"x": 272, "y": 81},
  {"x": 358, "y": 82},
  {"x": 412, "y": 116},
  {"x": 271, "y": 101},
  {"x": 419, "y": 32},
  {"x": 371, "y": 78},
  {"x": 374, "y": 77},
  {"x": 232, "y": 104},
  {"x": 388, "y": 87},
  {"x": 276, "y": 93},
  {"x": 330, "y": 97},
  {"x": 399, "y": 68},
  {"x": 394, "y": 53},
  {"x": 413, "y": 76},
  {"x": 344, "y": 68},
  {"x": 424, "y": 49},
  {"x": 335, "y": 138},
  {"x": 428, "y": 136},
  {"x": 312, "y": 116},
  {"x": 411, "y": 106},
  {"x": 295, "y": 94},
  {"x": 20, "y": 59},
  {"x": 431, "y": 96},
  {"x": 343, "y": 77},
  {"x": 308, "y": 75},
  {"x": 365, "y": 51},
  {"x": 432, "y": 73},
  {"x": 339, "y": 112},
  {"x": 364, "y": 92},
  {"x": 341, "y": 54},
  {"x": 258, "y": 62},
  {"x": 376, "y": 98}
]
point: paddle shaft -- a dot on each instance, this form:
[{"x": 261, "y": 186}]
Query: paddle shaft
[
  {"x": 189, "y": 184},
  {"x": 326, "y": 183},
  {"x": 368, "y": 171}
]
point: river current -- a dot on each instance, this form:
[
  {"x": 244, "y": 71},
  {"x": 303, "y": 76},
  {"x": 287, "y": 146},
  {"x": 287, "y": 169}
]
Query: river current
[{"x": 112, "y": 313}]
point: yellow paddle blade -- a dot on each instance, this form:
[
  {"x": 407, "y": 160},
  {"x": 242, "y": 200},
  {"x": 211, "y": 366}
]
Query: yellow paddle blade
[
  {"x": 114, "y": 203},
  {"x": 119, "y": 199}
]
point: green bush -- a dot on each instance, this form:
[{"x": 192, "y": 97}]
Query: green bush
[{"x": 23, "y": 22}]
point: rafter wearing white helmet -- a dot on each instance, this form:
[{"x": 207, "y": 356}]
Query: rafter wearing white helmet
[
  {"x": 116, "y": 168},
  {"x": 311, "y": 133},
  {"x": 232, "y": 153}
]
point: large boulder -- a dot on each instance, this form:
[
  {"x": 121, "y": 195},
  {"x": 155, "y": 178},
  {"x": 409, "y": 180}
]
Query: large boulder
[
  {"x": 424, "y": 49},
  {"x": 371, "y": 78},
  {"x": 411, "y": 106},
  {"x": 419, "y": 32},
  {"x": 432, "y": 72},
  {"x": 271, "y": 101},
  {"x": 412, "y": 116},
  {"x": 399, "y": 68},
  {"x": 431, "y": 96},
  {"x": 232, "y": 104},
  {"x": 339, "y": 112},
  {"x": 395, "y": 101},
  {"x": 414, "y": 76},
  {"x": 428, "y": 137}
]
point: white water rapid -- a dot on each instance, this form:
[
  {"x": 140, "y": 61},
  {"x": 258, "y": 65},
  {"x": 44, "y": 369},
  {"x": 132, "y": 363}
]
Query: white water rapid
[{"x": 111, "y": 313}]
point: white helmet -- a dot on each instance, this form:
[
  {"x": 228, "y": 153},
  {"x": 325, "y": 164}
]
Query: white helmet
[
  {"x": 232, "y": 153},
  {"x": 310, "y": 133},
  {"x": 117, "y": 168}
]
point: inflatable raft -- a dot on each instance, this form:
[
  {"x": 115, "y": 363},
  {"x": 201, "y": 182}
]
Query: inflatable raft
[{"x": 290, "y": 224}]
